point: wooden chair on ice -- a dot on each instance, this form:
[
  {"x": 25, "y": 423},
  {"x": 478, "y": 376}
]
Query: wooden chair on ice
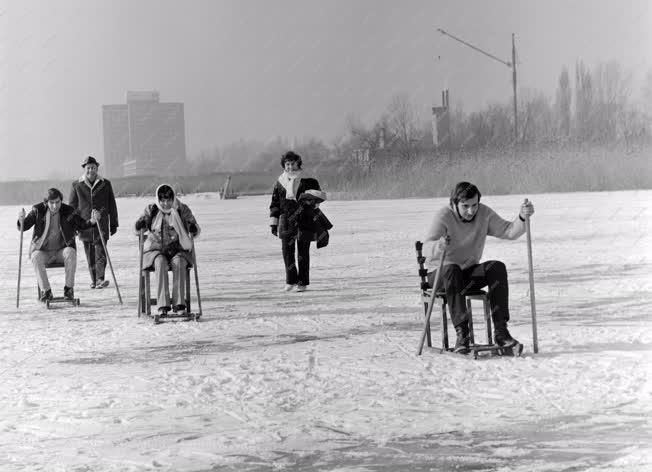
[
  {"x": 145, "y": 300},
  {"x": 55, "y": 300},
  {"x": 429, "y": 302}
]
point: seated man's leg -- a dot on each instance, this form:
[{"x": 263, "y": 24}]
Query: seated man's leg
[
  {"x": 179, "y": 264},
  {"x": 162, "y": 290},
  {"x": 452, "y": 282},
  {"x": 39, "y": 261},
  {"x": 68, "y": 256},
  {"x": 493, "y": 275}
]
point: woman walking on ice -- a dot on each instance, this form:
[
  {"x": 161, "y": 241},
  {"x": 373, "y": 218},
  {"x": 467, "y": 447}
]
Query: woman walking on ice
[{"x": 297, "y": 220}]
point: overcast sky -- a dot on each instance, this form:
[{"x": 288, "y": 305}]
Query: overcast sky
[{"x": 260, "y": 69}]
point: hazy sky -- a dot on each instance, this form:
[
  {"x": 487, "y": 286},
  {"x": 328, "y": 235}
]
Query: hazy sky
[{"x": 260, "y": 69}]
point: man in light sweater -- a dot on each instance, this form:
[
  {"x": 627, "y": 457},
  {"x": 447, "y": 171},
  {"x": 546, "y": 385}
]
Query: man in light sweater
[{"x": 464, "y": 225}]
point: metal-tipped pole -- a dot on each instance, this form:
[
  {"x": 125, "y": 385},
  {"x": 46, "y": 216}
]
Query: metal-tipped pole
[
  {"x": 535, "y": 343},
  {"x": 115, "y": 282}
]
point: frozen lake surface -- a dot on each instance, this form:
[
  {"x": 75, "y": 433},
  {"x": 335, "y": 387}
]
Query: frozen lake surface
[{"x": 328, "y": 379}]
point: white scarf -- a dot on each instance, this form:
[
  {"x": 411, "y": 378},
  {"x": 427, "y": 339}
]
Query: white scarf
[
  {"x": 85, "y": 180},
  {"x": 290, "y": 182},
  {"x": 174, "y": 221}
]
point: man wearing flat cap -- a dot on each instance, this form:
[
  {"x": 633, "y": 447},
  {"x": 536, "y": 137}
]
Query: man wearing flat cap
[{"x": 92, "y": 192}]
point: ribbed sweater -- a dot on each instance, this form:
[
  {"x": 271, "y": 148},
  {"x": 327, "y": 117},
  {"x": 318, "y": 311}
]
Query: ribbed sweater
[{"x": 467, "y": 238}]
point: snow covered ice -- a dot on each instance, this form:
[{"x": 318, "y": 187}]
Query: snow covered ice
[{"x": 328, "y": 379}]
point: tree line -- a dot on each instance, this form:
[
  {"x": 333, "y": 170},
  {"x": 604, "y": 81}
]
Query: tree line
[{"x": 591, "y": 106}]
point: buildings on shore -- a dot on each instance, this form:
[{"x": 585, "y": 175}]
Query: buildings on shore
[{"x": 143, "y": 136}]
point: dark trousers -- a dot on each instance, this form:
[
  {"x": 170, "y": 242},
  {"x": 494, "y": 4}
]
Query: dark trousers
[
  {"x": 96, "y": 259},
  {"x": 455, "y": 281},
  {"x": 292, "y": 275}
]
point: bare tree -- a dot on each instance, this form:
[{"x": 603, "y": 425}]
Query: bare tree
[
  {"x": 403, "y": 127},
  {"x": 563, "y": 104},
  {"x": 583, "y": 101},
  {"x": 611, "y": 91}
]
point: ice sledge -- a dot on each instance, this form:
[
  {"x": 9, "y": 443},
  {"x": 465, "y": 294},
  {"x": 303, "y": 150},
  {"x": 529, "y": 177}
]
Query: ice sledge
[
  {"x": 429, "y": 303},
  {"x": 56, "y": 300},
  {"x": 145, "y": 300}
]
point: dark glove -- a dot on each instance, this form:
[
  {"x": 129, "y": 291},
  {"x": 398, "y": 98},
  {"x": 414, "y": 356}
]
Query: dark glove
[
  {"x": 113, "y": 231},
  {"x": 141, "y": 224},
  {"x": 274, "y": 230},
  {"x": 192, "y": 229}
]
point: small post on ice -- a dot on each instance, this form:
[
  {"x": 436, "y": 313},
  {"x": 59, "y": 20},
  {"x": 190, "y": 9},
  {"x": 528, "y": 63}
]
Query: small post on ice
[
  {"x": 535, "y": 343},
  {"x": 194, "y": 265},
  {"x": 20, "y": 257},
  {"x": 97, "y": 222},
  {"x": 432, "y": 298}
]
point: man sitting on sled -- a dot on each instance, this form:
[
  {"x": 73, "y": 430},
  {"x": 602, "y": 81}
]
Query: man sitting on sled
[
  {"x": 465, "y": 224},
  {"x": 53, "y": 239},
  {"x": 169, "y": 224}
]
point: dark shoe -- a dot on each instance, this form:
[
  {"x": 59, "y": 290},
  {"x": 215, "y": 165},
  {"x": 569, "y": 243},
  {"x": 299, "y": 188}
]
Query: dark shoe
[
  {"x": 101, "y": 283},
  {"x": 163, "y": 311},
  {"x": 462, "y": 342},
  {"x": 68, "y": 293},
  {"x": 181, "y": 309},
  {"x": 503, "y": 338},
  {"x": 46, "y": 296}
]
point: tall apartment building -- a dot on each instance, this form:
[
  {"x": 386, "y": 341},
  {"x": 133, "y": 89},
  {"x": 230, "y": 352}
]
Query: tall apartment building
[{"x": 143, "y": 136}]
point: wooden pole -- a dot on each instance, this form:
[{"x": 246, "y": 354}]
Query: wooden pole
[
  {"x": 533, "y": 307},
  {"x": 194, "y": 265},
  {"x": 20, "y": 259},
  {"x": 115, "y": 282},
  {"x": 514, "y": 87},
  {"x": 141, "y": 296}
]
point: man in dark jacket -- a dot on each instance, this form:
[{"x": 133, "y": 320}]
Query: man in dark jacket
[
  {"x": 92, "y": 192},
  {"x": 53, "y": 239}
]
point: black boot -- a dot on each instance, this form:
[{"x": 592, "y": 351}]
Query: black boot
[
  {"x": 68, "y": 293},
  {"x": 46, "y": 296},
  {"x": 502, "y": 336},
  {"x": 462, "y": 342}
]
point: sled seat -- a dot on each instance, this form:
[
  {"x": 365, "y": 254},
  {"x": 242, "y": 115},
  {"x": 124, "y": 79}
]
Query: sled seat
[
  {"x": 55, "y": 300},
  {"x": 429, "y": 302}
]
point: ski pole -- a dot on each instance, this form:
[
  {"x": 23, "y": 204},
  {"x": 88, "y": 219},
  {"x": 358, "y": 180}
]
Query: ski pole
[
  {"x": 97, "y": 222},
  {"x": 141, "y": 298},
  {"x": 194, "y": 264},
  {"x": 432, "y": 299},
  {"x": 20, "y": 256},
  {"x": 535, "y": 343}
]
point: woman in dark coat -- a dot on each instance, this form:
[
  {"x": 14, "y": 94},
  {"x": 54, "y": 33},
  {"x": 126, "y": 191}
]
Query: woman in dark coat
[
  {"x": 169, "y": 224},
  {"x": 297, "y": 220}
]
